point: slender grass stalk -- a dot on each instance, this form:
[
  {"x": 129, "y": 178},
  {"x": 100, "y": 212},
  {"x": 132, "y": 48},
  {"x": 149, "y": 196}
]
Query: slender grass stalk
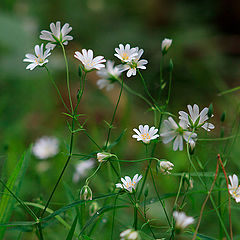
[
  {"x": 114, "y": 113},
  {"x": 113, "y": 217},
  {"x": 67, "y": 71},
  {"x": 229, "y": 91},
  {"x": 39, "y": 227},
  {"x": 57, "y": 89}
]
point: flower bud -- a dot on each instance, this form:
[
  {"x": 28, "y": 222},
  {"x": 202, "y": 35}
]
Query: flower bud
[
  {"x": 86, "y": 193},
  {"x": 210, "y": 111},
  {"x": 192, "y": 145},
  {"x": 165, "y": 167},
  {"x": 103, "y": 156},
  {"x": 129, "y": 234},
  {"x": 166, "y": 43},
  {"x": 223, "y": 117},
  {"x": 93, "y": 208}
]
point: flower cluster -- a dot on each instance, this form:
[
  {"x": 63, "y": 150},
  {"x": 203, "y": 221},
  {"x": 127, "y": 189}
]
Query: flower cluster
[
  {"x": 130, "y": 58},
  {"x": 186, "y": 128}
]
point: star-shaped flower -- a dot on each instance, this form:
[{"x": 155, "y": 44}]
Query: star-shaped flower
[
  {"x": 125, "y": 54},
  {"x": 129, "y": 184},
  {"x": 145, "y": 134},
  {"x": 234, "y": 188}
]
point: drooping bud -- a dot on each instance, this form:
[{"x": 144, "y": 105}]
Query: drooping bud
[
  {"x": 166, "y": 44},
  {"x": 86, "y": 193}
]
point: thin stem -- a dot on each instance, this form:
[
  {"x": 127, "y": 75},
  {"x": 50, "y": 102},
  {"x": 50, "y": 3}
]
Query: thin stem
[
  {"x": 160, "y": 200},
  {"x": 40, "y": 231},
  {"x": 114, "y": 113},
  {"x": 58, "y": 91},
  {"x": 169, "y": 87},
  {"x": 204, "y": 203},
  {"x": 145, "y": 86},
  {"x": 87, "y": 180},
  {"x": 67, "y": 70},
  {"x": 161, "y": 74},
  {"x": 113, "y": 217}
]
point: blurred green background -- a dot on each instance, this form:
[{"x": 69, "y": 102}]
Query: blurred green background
[{"x": 206, "y": 57}]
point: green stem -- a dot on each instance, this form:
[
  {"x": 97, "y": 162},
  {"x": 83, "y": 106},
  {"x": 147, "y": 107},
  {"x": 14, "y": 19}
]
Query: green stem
[
  {"x": 67, "y": 70},
  {"x": 169, "y": 87},
  {"x": 113, "y": 117},
  {"x": 88, "y": 179},
  {"x": 229, "y": 91},
  {"x": 113, "y": 217},
  {"x": 58, "y": 91},
  {"x": 145, "y": 87},
  {"x": 40, "y": 231}
]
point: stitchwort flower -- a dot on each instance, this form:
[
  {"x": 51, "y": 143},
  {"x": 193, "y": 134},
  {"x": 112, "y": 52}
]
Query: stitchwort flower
[
  {"x": 165, "y": 167},
  {"x": 135, "y": 63},
  {"x": 129, "y": 184},
  {"x": 195, "y": 119},
  {"x": 39, "y": 59},
  {"x": 46, "y": 147},
  {"x": 108, "y": 75},
  {"x": 182, "y": 220},
  {"x": 90, "y": 63},
  {"x": 57, "y": 35},
  {"x": 145, "y": 134},
  {"x": 125, "y": 54},
  {"x": 234, "y": 188},
  {"x": 177, "y": 132}
]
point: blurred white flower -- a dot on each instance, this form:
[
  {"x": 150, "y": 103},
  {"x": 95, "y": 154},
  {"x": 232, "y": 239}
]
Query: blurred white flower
[
  {"x": 39, "y": 59},
  {"x": 182, "y": 220},
  {"x": 125, "y": 54},
  {"x": 82, "y": 168},
  {"x": 129, "y": 234},
  {"x": 135, "y": 63},
  {"x": 129, "y": 184},
  {"x": 177, "y": 132},
  {"x": 42, "y": 166},
  {"x": 166, "y": 44},
  {"x": 195, "y": 119},
  {"x": 166, "y": 167},
  {"x": 145, "y": 134},
  {"x": 108, "y": 75},
  {"x": 57, "y": 35},
  {"x": 89, "y": 63},
  {"x": 46, "y": 147},
  {"x": 234, "y": 188}
]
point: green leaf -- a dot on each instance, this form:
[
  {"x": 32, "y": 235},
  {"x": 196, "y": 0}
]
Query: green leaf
[
  {"x": 13, "y": 185},
  {"x": 86, "y": 237},
  {"x": 72, "y": 230}
]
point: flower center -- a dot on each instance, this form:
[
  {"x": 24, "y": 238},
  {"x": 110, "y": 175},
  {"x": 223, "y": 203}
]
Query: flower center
[
  {"x": 145, "y": 136},
  {"x": 125, "y": 56}
]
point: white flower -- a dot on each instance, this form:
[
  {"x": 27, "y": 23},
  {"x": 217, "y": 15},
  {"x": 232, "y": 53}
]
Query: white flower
[
  {"x": 125, "y": 54},
  {"x": 129, "y": 184},
  {"x": 135, "y": 63},
  {"x": 234, "y": 188},
  {"x": 182, "y": 220},
  {"x": 166, "y": 167},
  {"x": 108, "y": 75},
  {"x": 57, "y": 35},
  {"x": 39, "y": 59},
  {"x": 82, "y": 168},
  {"x": 145, "y": 134},
  {"x": 166, "y": 44},
  {"x": 86, "y": 57},
  {"x": 195, "y": 119},
  {"x": 177, "y": 132},
  {"x": 129, "y": 234},
  {"x": 46, "y": 147}
]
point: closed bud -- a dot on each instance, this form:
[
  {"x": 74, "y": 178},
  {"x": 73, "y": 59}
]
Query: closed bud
[
  {"x": 223, "y": 116},
  {"x": 103, "y": 156},
  {"x": 165, "y": 167},
  {"x": 86, "y": 193},
  {"x": 192, "y": 145},
  {"x": 93, "y": 208},
  {"x": 166, "y": 44},
  {"x": 210, "y": 111}
]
